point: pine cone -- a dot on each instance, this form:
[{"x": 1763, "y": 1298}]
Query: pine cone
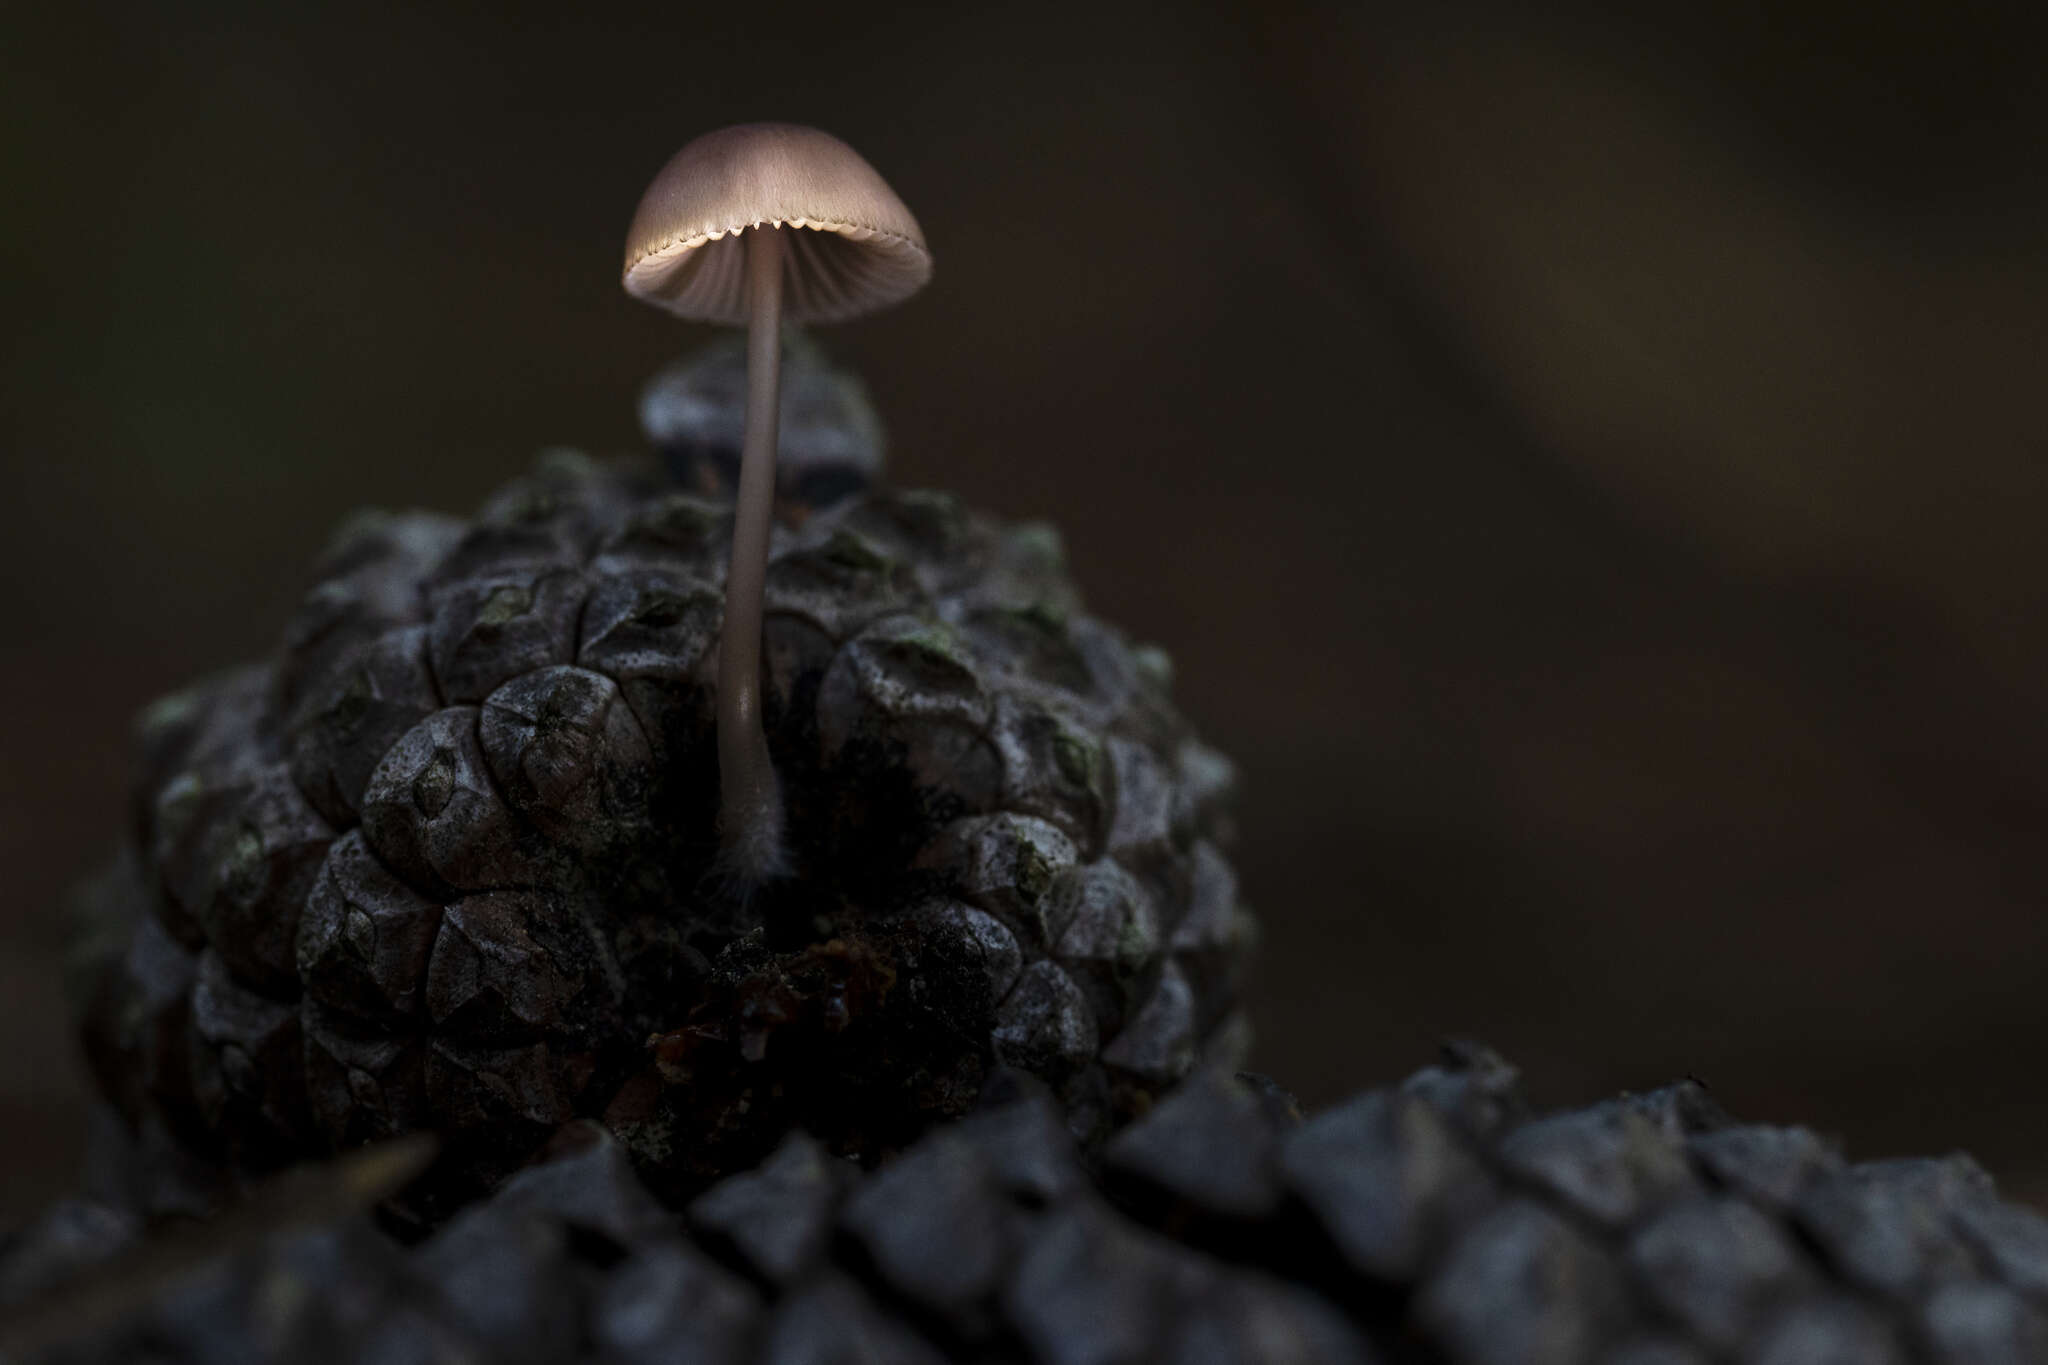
[
  {"x": 1440, "y": 1220},
  {"x": 447, "y": 860}
]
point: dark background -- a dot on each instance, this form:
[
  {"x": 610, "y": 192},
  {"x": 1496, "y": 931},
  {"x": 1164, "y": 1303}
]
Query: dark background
[{"x": 1591, "y": 475}]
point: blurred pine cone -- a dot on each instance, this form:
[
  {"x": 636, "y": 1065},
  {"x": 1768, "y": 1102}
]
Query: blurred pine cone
[
  {"x": 445, "y": 860},
  {"x": 1440, "y": 1221}
]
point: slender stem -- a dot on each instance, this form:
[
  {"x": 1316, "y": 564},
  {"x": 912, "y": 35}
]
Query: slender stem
[{"x": 750, "y": 798}]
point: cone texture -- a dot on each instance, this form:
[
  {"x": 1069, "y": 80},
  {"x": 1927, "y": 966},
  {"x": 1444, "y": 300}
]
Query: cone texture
[
  {"x": 445, "y": 860},
  {"x": 1440, "y": 1220}
]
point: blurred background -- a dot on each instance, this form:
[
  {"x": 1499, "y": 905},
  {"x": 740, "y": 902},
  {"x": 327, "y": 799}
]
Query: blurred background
[{"x": 1589, "y": 472}]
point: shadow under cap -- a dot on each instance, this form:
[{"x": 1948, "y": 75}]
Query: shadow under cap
[{"x": 862, "y": 249}]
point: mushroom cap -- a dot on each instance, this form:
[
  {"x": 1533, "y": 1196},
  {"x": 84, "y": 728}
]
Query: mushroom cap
[{"x": 863, "y": 250}]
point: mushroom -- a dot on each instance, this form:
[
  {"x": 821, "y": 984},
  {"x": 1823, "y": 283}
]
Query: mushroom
[{"x": 748, "y": 225}]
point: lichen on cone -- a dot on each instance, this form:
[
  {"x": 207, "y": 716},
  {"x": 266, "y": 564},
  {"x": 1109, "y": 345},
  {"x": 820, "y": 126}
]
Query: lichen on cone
[{"x": 447, "y": 859}]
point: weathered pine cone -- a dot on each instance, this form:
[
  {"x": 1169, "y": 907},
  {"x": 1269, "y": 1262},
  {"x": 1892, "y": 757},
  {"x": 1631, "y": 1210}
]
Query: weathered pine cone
[
  {"x": 1438, "y": 1221},
  {"x": 446, "y": 861}
]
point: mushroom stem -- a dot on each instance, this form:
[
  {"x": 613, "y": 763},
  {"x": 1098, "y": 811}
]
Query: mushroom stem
[{"x": 750, "y": 799}]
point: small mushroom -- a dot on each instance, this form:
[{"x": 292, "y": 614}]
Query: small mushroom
[{"x": 716, "y": 239}]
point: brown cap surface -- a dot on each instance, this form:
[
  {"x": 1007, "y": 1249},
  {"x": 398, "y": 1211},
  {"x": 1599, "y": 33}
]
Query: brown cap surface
[{"x": 862, "y": 251}]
